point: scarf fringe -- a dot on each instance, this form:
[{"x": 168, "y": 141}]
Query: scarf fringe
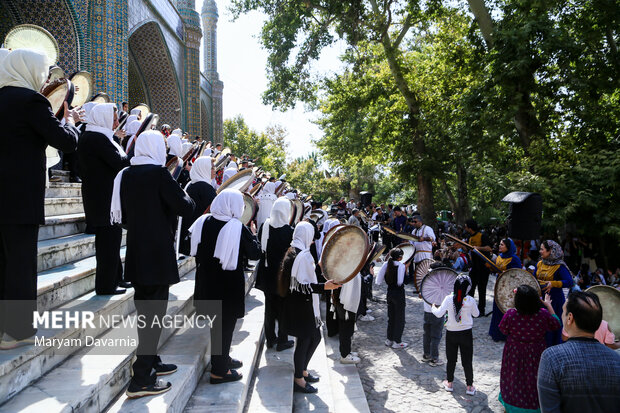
[{"x": 299, "y": 287}]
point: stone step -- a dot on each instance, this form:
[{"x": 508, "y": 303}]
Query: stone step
[
  {"x": 63, "y": 206},
  {"x": 62, "y": 225},
  {"x": 246, "y": 346},
  {"x": 272, "y": 390},
  {"x": 246, "y": 341},
  {"x": 63, "y": 190},
  {"x": 60, "y": 251},
  {"x": 63, "y": 176},
  {"x": 322, "y": 401},
  {"x": 88, "y": 380},
  {"x": 347, "y": 390}
]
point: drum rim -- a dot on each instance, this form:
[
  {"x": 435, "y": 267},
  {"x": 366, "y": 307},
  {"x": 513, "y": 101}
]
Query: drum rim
[
  {"x": 362, "y": 261},
  {"x": 429, "y": 273},
  {"x": 408, "y": 245},
  {"x": 615, "y": 293},
  {"x": 512, "y": 270},
  {"x": 55, "y": 85},
  {"x": 21, "y": 27},
  {"x": 246, "y": 196},
  {"x": 101, "y": 94},
  {"x": 299, "y": 215},
  {"x": 235, "y": 177}
]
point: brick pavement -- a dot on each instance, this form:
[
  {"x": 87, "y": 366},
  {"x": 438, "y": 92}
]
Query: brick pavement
[{"x": 398, "y": 380}]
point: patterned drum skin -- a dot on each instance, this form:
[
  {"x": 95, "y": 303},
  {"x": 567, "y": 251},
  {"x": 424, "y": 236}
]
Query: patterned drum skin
[
  {"x": 437, "y": 285},
  {"x": 421, "y": 269},
  {"x": 507, "y": 282},
  {"x": 344, "y": 254},
  {"x": 610, "y": 301}
]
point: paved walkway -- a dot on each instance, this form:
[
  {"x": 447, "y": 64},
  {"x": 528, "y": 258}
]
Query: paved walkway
[{"x": 398, "y": 380}]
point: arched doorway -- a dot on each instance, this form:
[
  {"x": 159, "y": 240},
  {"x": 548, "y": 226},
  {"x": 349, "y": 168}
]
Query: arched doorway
[{"x": 152, "y": 76}]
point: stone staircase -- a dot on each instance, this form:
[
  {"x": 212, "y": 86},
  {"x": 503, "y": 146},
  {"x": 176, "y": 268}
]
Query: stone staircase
[{"x": 84, "y": 379}]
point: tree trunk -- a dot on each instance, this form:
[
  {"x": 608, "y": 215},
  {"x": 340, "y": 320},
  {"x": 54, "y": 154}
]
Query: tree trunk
[
  {"x": 454, "y": 206},
  {"x": 483, "y": 18},
  {"x": 463, "y": 211}
]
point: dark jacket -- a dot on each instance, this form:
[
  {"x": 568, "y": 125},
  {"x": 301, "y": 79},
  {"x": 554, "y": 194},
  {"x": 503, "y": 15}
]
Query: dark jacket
[
  {"x": 100, "y": 162},
  {"x": 151, "y": 201},
  {"x": 28, "y": 125},
  {"x": 202, "y": 194},
  {"x": 279, "y": 241},
  {"x": 213, "y": 282}
]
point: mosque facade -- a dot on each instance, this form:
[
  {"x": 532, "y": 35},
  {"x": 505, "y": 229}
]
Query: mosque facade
[{"x": 139, "y": 51}]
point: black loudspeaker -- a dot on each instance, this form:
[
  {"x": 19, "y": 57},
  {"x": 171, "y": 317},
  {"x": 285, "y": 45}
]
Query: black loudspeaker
[
  {"x": 365, "y": 198},
  {"x": 525, "y": 218}
]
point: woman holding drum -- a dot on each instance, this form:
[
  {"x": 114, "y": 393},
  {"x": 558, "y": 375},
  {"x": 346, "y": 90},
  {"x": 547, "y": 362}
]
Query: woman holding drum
[
  {"x": 507, "y": 259},
  {"x": 553, "y": 275}
]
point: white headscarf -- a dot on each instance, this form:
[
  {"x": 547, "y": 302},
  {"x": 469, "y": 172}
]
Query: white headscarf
[
  {"x": 302, "y": 274},
  {"x": 132, "y": 127},
  {"x": 201, "y": 170},
  {"x": 186, "y": 147},
  {"x": 291, "y": 195},
  {"x": 266, "y": 199},
  {"x": 280, "y": 215},
  {"x": 130, "y": 119},
  {"x": 88, "y": 106},
  {"x": 350, "y": 295},
  {"x": 232, "y": 164},
  {"x": 150, "y": 149},
  {"x": 24, "y": 68},
  {"x": 228, "y": 207},
  {"x": 177, "y": 132},
  {"x": 228, "y": 173},
  {"x": 135, "y": 112},
  {"x": 101, "y": 119},
  {"x": 174, "y": 143},
  {"x": 3, "y": 54}
]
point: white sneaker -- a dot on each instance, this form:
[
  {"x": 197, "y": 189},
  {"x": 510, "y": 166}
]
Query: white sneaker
[
  {"x": 367, "y": 317},
  {"x": 389, "y": 343},
  {"x": 400, "y": 345},
  {"x": 350, "y": 359},
  {"x": 368, "y": 310},
  {"x": 354, "y": 353}
]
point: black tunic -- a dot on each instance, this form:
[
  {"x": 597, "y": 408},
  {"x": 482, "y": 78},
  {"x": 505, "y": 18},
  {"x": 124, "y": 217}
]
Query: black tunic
[
  {"x": 151, "y": 201},
  {"x": 298, "y": 310},
  {"x": 279, "y": 241},
  {"x": 28, "y": 126},
  {"x": 100, "y": 162},
  {"x": 202, "y": 194},
  {"x": 215, "y": 283}
]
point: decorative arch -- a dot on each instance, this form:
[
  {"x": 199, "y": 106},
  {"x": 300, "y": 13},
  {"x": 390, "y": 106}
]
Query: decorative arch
[
  {"x": 205, "y": 121},
  {"x": 150, "y": 56}
]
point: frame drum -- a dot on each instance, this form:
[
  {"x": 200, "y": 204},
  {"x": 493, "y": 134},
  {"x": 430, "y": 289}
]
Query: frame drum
[
  {"x": 421, "y": 269},
  {"x": 240, "y": 181},
  {"x": 299, "y": 210},
  {"x": 83, "y": 83},
  {"x": 30, "y": 36},
  {"x": 437, "y": 285},
  {"x": 330, "y": 233},
  {"x": 610, "y": 301},
  {"x": 344, "y": 254},
  {"x": 249, "y": 209},
  {"x": 408, "y": 252},
  {"x": 59, "y": 92},
  {"x": 506, "y": 284},
  {"x": 101, "y": 98}
]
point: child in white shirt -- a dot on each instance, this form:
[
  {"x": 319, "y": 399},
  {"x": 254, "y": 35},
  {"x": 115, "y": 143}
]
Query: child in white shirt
[{"x": 461, "y": 309}]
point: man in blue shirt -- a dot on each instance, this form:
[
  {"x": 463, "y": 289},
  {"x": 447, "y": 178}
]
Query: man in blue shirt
[{"x": 581, "y": 375}]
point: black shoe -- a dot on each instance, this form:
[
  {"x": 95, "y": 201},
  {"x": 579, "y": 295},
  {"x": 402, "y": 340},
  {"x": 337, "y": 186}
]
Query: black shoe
[
  {"x": 115, "y": 292},
  {"x": 134, "y": 391},
  {"x": 125, "y": 284},
  {"x": 162, "y": 369},
  {"x": 308, "y": 389},
  {"x": 233, "y": 376},
  {"x": 311, "y": 379},
  {"x": 235, "y": 364},
  {"x": 285, "y": 346},
  {"x": 75, "y": 180},
  {"x": 270, "y": 344}
]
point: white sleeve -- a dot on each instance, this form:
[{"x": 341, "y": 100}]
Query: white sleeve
[
  {"x": 430, "y": 233},
  {"x": 401, "y": 274},
  {"x": 381, "y": 276},
  {"x": 475, "y": 312},
  {"x": 439, "y": 312}
]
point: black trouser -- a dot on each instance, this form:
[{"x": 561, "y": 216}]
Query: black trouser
[
  {"x": 274, "y": 311},
  {"x": 304, "y": 350},
  {"x": 71, "y": 159},
  {"x": 464, "y": 341},
  {"x": 346, "y": 327},
  {"x": 479, "y": 279},
  {"x": 433, "y": 327},
  {"x": 396, "y": 313},
  {"x": 18, "y": 279},
  {"x": 363, "y": 307},
  {"x": 109, "y": 264},
  {"x": 151, "y": 301},
  {"x": 220, "y": 364}
]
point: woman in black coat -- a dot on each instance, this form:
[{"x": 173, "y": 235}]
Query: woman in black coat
[
  {"x": 221, "y": 242},
  {"x": 275, "y": 237},
  {"x": 202, "y": 193},
  {"x": 101, "y": 158},
  {"x": 29, "y": 126},
  {"x": 303, "y": 315},
  {"x": 147, "y": 199}
]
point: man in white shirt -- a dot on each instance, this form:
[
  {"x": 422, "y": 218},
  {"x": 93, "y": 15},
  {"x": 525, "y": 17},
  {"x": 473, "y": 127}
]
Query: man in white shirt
[
  {"x": 351, "y": 205},
  {"x": 424, "y": 244}
]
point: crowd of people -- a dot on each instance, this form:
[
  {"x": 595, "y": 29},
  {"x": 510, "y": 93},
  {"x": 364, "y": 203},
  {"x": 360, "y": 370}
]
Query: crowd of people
[{"x": 125, "y": 184}]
